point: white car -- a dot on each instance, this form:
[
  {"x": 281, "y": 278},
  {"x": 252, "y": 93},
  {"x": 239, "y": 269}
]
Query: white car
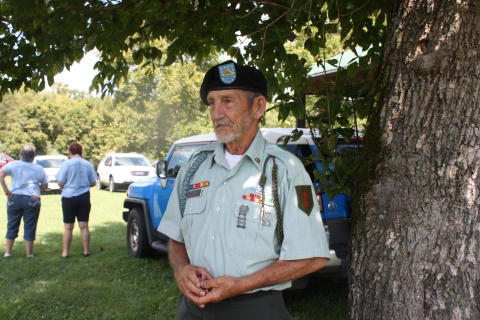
[
  {"x": 119, "y": 170},
  {"x": 51, "y": 164}
]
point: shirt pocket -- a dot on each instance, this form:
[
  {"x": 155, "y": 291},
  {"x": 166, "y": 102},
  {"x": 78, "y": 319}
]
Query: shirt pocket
[
  {"x": 245, "y": 237},
  {"x": 192, "y": 221}
]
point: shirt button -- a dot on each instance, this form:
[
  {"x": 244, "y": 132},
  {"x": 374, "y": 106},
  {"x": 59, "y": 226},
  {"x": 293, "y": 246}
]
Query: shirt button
[
  {"x": 212, "y": 237},
  {"x": 218, "y": 209},
  {"x": 225, "y": 182},
  {"x": 208, "y": 267}
]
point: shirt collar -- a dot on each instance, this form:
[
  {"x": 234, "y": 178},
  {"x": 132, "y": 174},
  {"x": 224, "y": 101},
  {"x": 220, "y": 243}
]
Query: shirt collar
[{"x": 256, "y": 151}]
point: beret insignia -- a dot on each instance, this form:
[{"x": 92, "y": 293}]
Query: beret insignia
[{"x": 227, "y": 73}]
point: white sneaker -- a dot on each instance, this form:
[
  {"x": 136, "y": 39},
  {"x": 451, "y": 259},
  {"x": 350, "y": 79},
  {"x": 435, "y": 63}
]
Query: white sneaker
[
  {"x": 30, "y": 256},
  {"x": 7, "y": 255}
]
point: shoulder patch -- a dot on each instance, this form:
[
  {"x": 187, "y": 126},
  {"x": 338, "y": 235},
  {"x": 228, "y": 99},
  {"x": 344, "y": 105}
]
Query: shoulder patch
[{"x": 304, "y": 198}]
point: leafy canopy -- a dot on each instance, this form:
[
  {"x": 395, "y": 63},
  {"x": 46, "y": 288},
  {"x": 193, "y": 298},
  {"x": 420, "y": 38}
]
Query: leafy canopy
[{"x": 42, "y": 38}]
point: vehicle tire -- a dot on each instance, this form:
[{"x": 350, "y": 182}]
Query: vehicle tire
[
  {"x": 137, "y": 237},
  {"x": 99, "y": 184},
  {"x": 112, "y": 185}
]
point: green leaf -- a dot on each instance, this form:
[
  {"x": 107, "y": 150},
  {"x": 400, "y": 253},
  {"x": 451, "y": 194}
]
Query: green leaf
[
  {"x": 333, "y": 62},
  {"x": 138, "y": 56},
  {"x": 283, "y": 111},
  {"x": 352, "y": 69},
  {"x": 170, "y": 60}
]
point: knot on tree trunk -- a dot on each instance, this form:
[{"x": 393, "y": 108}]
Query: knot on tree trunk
[{"x": 427, "y": 60}]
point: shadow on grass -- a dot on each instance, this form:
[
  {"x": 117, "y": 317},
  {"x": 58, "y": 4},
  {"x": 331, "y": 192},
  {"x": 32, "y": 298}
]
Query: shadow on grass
[
  {"x": 323, "y": 298},
  {"x": 108, "y": 285},
  {"x": 113, "y": 285}
]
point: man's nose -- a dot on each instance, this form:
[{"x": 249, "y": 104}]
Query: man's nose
[{"x": 217, "y": 111}]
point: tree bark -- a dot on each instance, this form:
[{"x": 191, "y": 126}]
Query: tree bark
[{"x": 415, "y": 241}]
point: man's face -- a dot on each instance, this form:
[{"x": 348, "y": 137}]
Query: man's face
[{"x": 230, "y": 113}]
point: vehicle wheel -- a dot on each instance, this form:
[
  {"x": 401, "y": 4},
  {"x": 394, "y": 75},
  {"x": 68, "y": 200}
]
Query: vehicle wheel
[
  {"x": 99, "y": 184},
  {"x": 137, "y": 237},
  {"x": 112, "y": 185}
]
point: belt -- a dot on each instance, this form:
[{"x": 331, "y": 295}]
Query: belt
[{"x": 249, "y": 296}]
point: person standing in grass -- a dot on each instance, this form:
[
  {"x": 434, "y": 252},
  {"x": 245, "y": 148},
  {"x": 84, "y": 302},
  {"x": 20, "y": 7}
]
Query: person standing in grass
[
  {"x": 23, "y": 198},
  {"x": 242, "y": 219},
  {"x": 76, "y": 176}
]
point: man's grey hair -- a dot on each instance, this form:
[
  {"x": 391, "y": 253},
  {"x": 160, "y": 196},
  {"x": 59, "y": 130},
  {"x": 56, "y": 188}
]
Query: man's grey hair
[
  {"x": 27, "y": 154},
  {"x": 251, "y": 95}
]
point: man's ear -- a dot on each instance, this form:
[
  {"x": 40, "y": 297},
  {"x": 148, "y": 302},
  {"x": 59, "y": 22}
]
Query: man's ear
[{"x": 259, "y": 106}]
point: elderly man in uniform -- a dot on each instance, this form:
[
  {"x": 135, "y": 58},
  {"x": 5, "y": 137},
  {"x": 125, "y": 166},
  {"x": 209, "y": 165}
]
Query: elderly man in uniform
[{"x": 242, "y": 219}]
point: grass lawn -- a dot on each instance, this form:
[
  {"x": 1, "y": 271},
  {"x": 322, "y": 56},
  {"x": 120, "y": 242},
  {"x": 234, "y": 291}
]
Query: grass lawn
[{"x": 111, "y": 284}]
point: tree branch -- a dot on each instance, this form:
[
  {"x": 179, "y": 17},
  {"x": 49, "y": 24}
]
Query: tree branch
[
  {"x": 83, "y": 9},
  {"x": 344, "y": 15},
  {"x": 275, "y": 4}
]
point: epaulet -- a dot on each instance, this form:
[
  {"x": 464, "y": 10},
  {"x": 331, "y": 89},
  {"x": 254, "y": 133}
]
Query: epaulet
[
  {"x": 279, "y": 151},
  {"x": 284, "y": 156}
]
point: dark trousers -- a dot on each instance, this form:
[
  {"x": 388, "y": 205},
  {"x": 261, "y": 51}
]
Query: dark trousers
[
  {"x": 76, "y": 207},
  {"x": 270, "y": 307}
]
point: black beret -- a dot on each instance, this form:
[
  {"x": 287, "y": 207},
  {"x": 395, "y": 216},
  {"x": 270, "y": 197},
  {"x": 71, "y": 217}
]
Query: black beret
[{"x": 229, "y": 75}]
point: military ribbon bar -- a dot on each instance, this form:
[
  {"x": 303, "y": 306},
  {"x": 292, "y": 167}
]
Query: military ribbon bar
[
  {"x": 198, "y": 185},
  {"x": 258, "y": 199}
]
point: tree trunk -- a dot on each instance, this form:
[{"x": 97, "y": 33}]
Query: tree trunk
[{"x": 414, "y": 252}]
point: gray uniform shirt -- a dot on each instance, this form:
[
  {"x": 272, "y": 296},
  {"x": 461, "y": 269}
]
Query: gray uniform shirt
[{"x": 220, "y": 226}]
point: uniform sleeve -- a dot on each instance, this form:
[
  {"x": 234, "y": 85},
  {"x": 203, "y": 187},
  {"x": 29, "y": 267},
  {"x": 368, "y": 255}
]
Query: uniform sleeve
[
  {"x": 172, "y": 219},
  {"x": 304, "y": 233}
]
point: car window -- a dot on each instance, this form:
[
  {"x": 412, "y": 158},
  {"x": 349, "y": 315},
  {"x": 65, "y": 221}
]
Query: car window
[
  {"x": 50, "y": 163},
  {"x": 180, "y": 156},
  {"x": 131, "y": 161}
]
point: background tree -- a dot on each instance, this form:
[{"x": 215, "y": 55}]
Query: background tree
[
  {"x": 44, "y": 38},
  {"x": 47, "y": 121},
  {"x": 146, "y": 114}
]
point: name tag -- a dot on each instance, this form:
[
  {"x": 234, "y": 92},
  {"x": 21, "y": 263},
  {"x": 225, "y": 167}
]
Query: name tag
[{"x": 194, "y": 193}]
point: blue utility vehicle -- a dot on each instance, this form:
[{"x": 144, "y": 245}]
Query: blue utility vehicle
[{"x": 147, "y": 200}]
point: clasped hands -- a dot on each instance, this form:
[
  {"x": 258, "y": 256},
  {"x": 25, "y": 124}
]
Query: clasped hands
[{"x": 200, "y": 287}]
